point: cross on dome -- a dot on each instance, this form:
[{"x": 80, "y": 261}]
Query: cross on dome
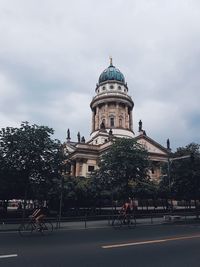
[{"x": 111, "y": 61}]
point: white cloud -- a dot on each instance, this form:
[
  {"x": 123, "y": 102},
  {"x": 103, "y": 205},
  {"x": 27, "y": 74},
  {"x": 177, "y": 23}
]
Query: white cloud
[{"x": 52, "y": 56}]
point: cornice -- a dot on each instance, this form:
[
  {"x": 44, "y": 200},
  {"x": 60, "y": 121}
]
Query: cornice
[{"x": 111, "y": 97}]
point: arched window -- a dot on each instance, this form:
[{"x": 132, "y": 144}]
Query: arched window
[
  {"x": 121, "y": 121},
  {"x": 103, "y": 123},
  {"x": 112, "y": 122}
]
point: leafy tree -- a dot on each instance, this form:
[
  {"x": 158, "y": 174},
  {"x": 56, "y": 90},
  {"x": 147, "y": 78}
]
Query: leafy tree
[
  {"x": 164, "y": 188},
  {"x": 9, "y": 181},
  {"x": 148, "y": 190},
  {"x": 78, "y": 191},
  {"x": 123, "y": 166},
  {"x": 185, "y": 173},
  {"x": 29, "y": 154}
]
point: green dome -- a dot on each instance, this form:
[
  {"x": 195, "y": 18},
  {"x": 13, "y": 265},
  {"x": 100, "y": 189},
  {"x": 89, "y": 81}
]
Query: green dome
[{"x": 111, "y": 73}]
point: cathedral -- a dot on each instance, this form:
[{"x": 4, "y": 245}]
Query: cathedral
[{"x": 112, "y": 116}]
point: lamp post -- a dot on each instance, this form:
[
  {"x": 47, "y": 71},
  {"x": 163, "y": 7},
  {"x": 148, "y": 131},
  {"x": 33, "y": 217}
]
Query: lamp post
[
  {"x": 61, "y": 199},
  {"x": 65, "y": 172},
  {"x": 111, "y": 188},
  {"x": 170, "y": 185},
  {"x": 62, "y": 173}
]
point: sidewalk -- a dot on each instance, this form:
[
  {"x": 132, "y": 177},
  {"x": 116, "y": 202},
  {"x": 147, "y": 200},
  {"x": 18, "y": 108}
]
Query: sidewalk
[{"x": 87, "y": 224}]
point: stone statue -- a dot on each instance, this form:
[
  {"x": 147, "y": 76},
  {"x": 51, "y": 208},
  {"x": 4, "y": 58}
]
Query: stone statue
[
  {"x": 68, "y": 135},
  {"x": 79, "y": 137},
  {"x": 102, "y": 126},
  {"x": 168, "y": 144},
  {"x": 82, "y": 139},
  {"x": 110, "y": 137},
  {"x": 140, "y": 126}
]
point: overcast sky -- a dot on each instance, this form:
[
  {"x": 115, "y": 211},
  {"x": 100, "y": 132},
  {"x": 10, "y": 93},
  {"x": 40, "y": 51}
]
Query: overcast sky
[{"x": 52, "y": 53}]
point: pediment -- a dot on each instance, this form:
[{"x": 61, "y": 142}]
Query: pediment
[
  {"x": 70, "y": 147},
  {"x": 151, "y": 146}
]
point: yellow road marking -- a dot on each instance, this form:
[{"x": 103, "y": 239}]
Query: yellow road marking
[{"x": 151, "y": 241}]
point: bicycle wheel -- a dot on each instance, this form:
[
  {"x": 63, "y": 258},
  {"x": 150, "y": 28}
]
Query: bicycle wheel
[
  {"x": 132, "y": 222},
  {"x": 25, "y": 229},
  {"x": 46, "y": 227},
  {"x": 117, "y": 223}
]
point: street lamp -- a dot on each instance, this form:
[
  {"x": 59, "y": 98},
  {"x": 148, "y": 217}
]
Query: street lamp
[
  {"x": 65, "y": 172},
  {"x": 61, "y": 198},
  {"x": 170, "y": 185}
]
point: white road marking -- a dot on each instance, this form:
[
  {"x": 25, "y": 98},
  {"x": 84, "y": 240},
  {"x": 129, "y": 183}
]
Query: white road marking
[
  {"x": 8, "y": 256},
  {"x": 150, "y": 241}
]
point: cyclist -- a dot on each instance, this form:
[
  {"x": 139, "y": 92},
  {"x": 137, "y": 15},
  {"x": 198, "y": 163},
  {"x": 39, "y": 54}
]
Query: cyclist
[
  {"x": 126, "y": 211},
  {"x": 39, "y": 215}
]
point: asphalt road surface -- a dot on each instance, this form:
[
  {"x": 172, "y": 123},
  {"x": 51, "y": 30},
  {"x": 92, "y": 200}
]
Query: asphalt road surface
[{"x": 157, "y": 246}]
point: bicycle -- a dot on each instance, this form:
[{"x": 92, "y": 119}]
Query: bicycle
[
  {"x": 124, "y": 220},
  {"x": 28, "y": 228}
]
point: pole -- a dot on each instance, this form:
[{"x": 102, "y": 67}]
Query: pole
[
  {"x": 25, "y": 200},
  {"x": 61, "y": 200},
  {"x": 170, "y": 186},
  {"x": 62, "y": 172}
]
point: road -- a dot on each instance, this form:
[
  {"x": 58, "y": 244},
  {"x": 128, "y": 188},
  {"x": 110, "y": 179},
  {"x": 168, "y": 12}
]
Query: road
[{"x": 157, "y": 246}]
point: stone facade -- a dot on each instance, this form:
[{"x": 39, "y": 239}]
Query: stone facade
[{"x": 112, "y": 116}]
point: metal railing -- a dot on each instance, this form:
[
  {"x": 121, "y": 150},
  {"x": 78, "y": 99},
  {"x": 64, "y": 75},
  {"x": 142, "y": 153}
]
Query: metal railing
[{"x": 89, "y": 221}]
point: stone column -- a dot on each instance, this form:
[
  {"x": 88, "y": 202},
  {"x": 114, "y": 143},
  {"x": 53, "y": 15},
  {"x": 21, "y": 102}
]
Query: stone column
[
  {"x": 84, "y": 168},
  {"x": 73, "y": 169},
  {"x": 93, "y": 120},
  {"x": 77, "y": 168},
  {"x": 106, "y": 115},
  {"x": 117, "y": 114},
  {"x": 126, "y": 118},
  {"x": 131, "y": 120},
  {"x": 97, "y": 119}
]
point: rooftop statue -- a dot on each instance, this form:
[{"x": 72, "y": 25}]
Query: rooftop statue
[{"x": 140, "y": 126}]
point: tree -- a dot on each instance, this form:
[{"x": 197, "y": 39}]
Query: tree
[
  {"x": 148, "y": 190},
  {"x": 122, "y": 167},
  {"x": 185, "y": 173},
  {"x": 78, "y": 191},
  {"x": 29, "y": 153}
]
